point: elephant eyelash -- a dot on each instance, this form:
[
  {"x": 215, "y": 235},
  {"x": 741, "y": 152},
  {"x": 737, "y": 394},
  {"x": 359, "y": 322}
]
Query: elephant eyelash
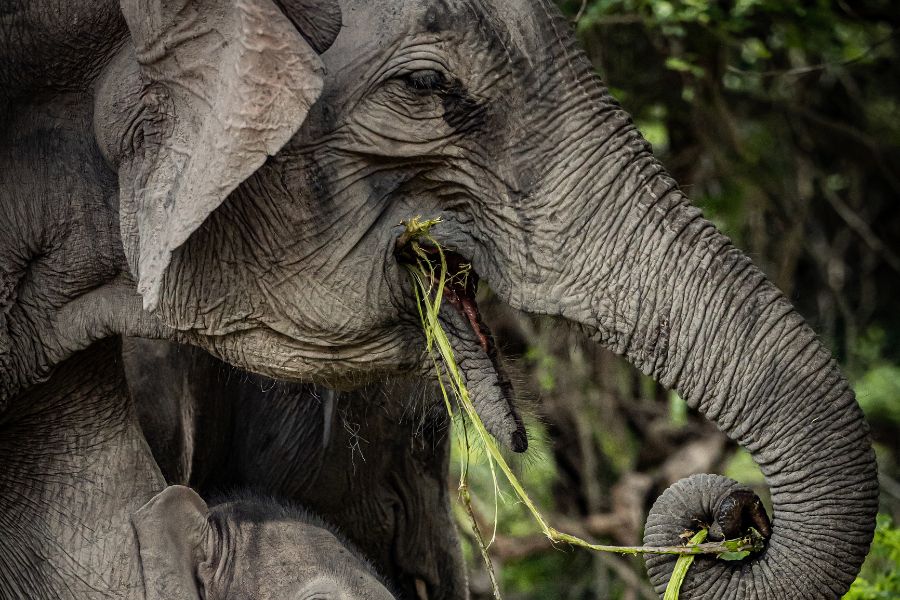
[{"x": 426, "y": 81}]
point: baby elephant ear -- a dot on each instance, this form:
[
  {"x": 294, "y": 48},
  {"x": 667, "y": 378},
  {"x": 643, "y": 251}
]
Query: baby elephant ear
[
  {"x": 172, "y": 531},
  {"x": 225, "y": 84}
]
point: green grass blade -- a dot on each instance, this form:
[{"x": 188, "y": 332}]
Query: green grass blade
[{"x": 682, "y": 565}]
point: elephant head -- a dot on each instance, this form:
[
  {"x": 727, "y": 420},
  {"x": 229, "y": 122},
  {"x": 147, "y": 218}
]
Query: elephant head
[
  {"x": 245, "y": 548},
  {"x": 262, "y": 189}
]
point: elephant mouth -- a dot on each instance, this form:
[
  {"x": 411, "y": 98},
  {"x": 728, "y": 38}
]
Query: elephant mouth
[
  {"x": 460, "y": 289},
  {"x": 473, "y": 344},
  {"x": 460, "y": 286}
]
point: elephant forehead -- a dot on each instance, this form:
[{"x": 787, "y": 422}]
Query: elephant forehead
[
  {"x": 437, "y": 15},
  {"x": 512, "y": 21},
  {"x": 290, "y": 555},
  {"x": 373, "y": 28},
  {"x": 301, "y": 542}
]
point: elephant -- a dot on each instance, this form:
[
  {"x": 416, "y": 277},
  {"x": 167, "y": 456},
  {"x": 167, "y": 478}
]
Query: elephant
[
  {"x": 372, "y": 462},
  {"x": 245, "y": 547},
  {"x": 86, "y": 512},
  {"x": 234, "y": 175}
]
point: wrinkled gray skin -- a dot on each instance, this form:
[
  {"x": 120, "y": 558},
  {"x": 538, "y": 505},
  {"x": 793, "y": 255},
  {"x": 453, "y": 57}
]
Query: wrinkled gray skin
[
  {"x": 249, "y": 195},
  {"x": 245, "y": 548},
  {"x": 86, "y": 512},
  {"x": 372, "y": 462}
]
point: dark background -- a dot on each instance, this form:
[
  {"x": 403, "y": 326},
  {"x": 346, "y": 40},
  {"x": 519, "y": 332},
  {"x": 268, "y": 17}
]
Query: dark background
[{"x": 782, "y": 121}]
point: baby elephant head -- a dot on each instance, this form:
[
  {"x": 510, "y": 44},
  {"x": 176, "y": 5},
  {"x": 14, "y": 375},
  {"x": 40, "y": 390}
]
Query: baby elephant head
[{"x": 246, "y": 548}]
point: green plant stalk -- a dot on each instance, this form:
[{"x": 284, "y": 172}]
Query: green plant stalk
[
  {"x": 682, "y": 565},
  {"x": 432, "y": 326},
  {"x": 428, "y": 297},
  {"x": 466, "y": 500}
]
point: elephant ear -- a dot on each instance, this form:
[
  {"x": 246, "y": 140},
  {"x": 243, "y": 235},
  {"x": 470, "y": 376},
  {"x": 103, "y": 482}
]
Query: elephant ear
[
  {"x": 172, "y": 532},
  {"x": 224, "y": 85},
  {"x": 319, "y": 22}
]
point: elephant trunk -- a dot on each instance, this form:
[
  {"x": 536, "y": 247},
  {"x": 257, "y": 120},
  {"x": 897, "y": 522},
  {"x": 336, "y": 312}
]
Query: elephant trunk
[{"x": 647, "y": 276}]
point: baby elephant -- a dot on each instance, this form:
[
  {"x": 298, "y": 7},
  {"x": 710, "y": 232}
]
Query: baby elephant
[{"x": 245, "y": 548}]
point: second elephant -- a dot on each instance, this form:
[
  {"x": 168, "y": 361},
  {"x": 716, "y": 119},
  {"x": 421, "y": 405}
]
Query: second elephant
[{"x": 245, "y": 548}]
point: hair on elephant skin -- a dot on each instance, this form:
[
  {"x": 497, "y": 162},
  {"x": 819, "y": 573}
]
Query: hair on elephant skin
[
  {"x": 232, "y": 174},
  {"x": 373, "y": 462}
]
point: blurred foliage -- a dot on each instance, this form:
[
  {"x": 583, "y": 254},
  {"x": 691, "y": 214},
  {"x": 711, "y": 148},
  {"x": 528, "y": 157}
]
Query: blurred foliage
[
  {"x": 877, "y": 384},
  {"x": 880, "y": 577},
  {"x": 782, "y": 121}
]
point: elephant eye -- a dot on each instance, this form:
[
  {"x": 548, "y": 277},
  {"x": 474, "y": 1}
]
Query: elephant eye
[{"x": 426, "y": 81}]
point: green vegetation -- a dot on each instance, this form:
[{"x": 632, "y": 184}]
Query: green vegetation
[
  {"x": 880, "y": 576},
  {"x": 681, "y": 567}
]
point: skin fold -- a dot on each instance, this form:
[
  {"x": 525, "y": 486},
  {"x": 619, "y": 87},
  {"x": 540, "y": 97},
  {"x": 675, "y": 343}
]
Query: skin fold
[{"x": 233, "y": 174}]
